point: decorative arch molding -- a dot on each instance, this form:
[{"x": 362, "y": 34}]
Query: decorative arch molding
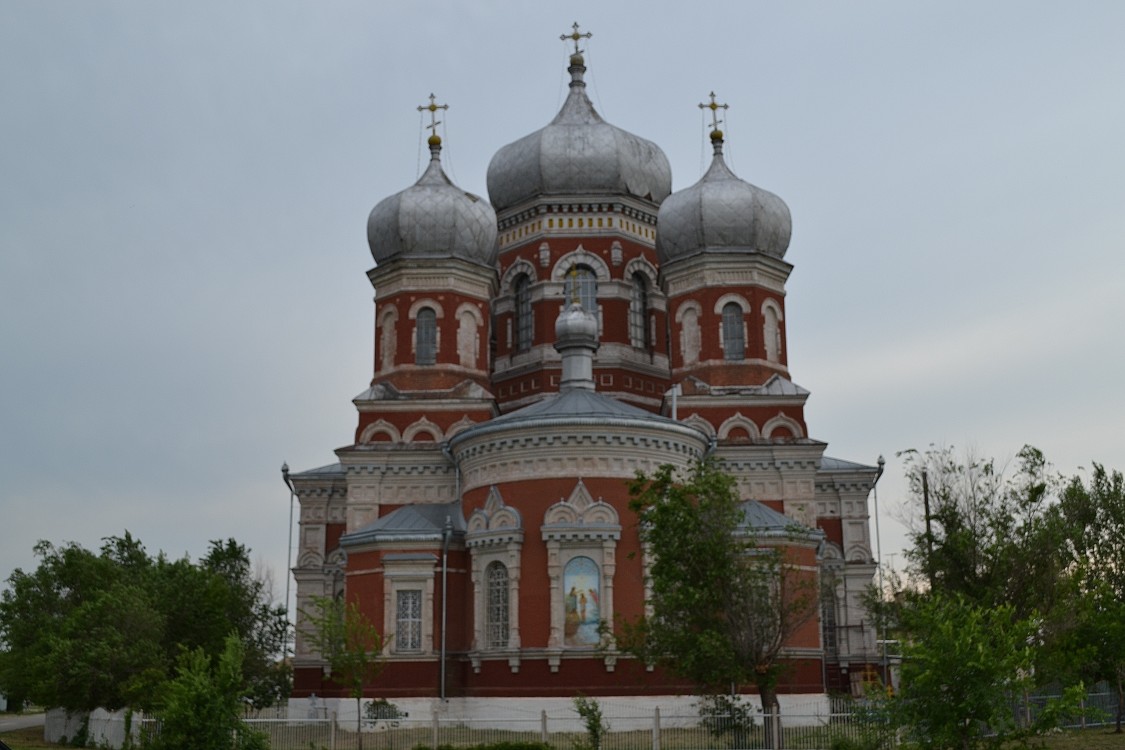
[
  {"x": 782, "y": 421},
  {"x": 642, "y": 266},
  {"x": 688, "y": 306},
  {"x": 581, "y": 510},
  {"x": 494, "y": 536},
  {"x": 429, "y": 302},
  {"x": 337, "y": 558},
  {"x": 471, "y": 309},
  {"x": 772, "y": 304},
  {"x": 380, "y": 427},
  {"x": 831, "y": 554},
  {"x": 700, "y": 424},
  {"x": 422, "y": 426},
  {"x": 310, "y": 559},
  {"x": 580, "y": 257},
  {"x": 857, "y": 553},
  {"x": 520, "y": 267},
  {"x": 738, "y": 421},
  {"x": 460, "y": 425},
  {"x": 495, "y": 523},
  {"x": 726, "y": 299}
]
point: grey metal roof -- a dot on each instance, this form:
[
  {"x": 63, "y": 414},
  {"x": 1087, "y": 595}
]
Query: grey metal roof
[
  {"x": 421, "y": 522},
  {"x": 329, "y": 470},
  {"x": 578, "y": 153},
  {"x": 722, "y": 213},
  {"x": 578, "y": 408},
  {"x": 763, "y": 521},
  {"x": 579, "y": 404},
  {"x": 827, "y": 463},
  {"x": 433, "y": 219},
  {"x": 777, "y": 385}
]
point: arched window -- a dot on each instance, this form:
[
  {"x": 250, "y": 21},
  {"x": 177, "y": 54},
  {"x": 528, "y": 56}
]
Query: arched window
[
  {"x": 638, "y": 312},
  {"x": 496, "y": 576},
  {"x": 425, "y": 337},
  {"x": 582, "y": 284},
  {"x": 734, "y": 340},
  {"x": 523, "y": 313}
]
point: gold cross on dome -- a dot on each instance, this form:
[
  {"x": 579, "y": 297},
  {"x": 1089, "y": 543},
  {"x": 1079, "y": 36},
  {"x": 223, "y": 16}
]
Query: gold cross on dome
[
  {"x": 574, "y": 36},
  {"x": 714, "y": 106},
  {"x": 433, "y": 107}
]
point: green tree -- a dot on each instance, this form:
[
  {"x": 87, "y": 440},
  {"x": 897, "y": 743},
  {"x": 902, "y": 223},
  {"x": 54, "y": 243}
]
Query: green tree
[
  {"x": 349, "y": 643},
  {"x": 989, "y": 538},
  {"x": 201, "y": 707},
  {"x": 87, "y": 630},
  {"x": 721, "y": 605},
  {"x": 79, "y": 632},
  {"x": 1095, "y": 517},
  {"x": 963, "y": 671}
]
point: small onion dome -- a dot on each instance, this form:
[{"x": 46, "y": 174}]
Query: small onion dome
[
  {"x": 433, "y": 218},
  {"x": 578, "y": 153},
  {"x": 722, "y": 213}
]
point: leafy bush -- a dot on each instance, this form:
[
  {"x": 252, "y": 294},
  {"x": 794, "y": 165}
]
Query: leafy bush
[{"x": 727, "y": 716}]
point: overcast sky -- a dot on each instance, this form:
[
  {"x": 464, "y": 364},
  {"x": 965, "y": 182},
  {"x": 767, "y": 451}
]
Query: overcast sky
[{"x": 184, "y": 190}]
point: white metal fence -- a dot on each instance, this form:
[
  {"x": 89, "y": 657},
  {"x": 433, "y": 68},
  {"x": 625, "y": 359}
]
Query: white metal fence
[{"x": 812, "y": 727}]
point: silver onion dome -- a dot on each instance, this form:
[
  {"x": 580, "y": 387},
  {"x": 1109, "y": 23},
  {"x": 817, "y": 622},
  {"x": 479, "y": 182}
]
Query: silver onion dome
[
  {"x": 433, "y": 218},
  {"x": 722, "y": 213},
  {"x": 578, "y": 153}
]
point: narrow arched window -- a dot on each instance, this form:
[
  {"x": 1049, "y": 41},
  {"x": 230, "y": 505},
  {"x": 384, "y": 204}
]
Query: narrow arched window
[
  {"x": 582, "y": 284},
  {"x": 523, "y": 313},
  {"x": 496, "y": 576},
  {"x": 734, "y": 339},
  {"x": 638, "y": 313},
  {"x": 828, "y": 621},
  {"x": 425, "y": 337}
]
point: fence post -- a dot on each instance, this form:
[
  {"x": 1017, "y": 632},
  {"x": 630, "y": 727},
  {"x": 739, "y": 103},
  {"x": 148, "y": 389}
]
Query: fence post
[
  {"x": 543, "y": 725},
  {"x": 656, "y": 729},
  {"x": 332, "y": 733},
  {"x": 434, "y": 725}
]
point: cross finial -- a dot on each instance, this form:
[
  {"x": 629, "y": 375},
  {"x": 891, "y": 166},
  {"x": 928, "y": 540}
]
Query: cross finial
[
  {"x": 575, "y": 36},
  {"x": 714, "y": 106},
  {"x": 433, "y": 107}
]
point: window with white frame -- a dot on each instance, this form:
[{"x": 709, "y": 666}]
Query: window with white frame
[
  {"x": 425, "y": 337},
  {"x": 522, "y": 303},
  {"x": 408, "y": 620},
  {"x": 496, "y": 575},
  {"x": 638, "y": 312},
  {"x": 734, "y": 338},
  {"x": 582, "y": 285}
]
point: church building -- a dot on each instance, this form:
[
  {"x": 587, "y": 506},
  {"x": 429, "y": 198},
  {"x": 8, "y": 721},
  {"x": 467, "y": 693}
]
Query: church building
[{"x": 535, "y": 350}]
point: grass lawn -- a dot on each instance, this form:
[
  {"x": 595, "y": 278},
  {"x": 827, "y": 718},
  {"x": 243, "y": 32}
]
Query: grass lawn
[{"x": 25, "y": 739}]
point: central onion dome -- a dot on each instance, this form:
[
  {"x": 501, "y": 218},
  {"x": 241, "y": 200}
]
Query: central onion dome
[
  {"x": 433, "y": 218},
  {"x": 722, "y": 213},
  {"x": 578, "y": 153}
]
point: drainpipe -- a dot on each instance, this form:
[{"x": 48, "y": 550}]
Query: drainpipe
[
  {"x": 289, "y": 549},
  {"x": 879, "y": 552},
  {"x": 446, "y": 533}
]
